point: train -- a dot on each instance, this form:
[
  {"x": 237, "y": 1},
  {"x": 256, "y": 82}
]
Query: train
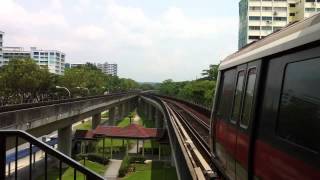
[{"x": 265, "y": 121}]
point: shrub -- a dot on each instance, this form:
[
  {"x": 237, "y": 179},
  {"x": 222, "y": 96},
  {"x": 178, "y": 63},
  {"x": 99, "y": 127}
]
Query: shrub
[
  {"x": 137, "y": 159},
  {"x": 97, "y": 158},
  {"x": 124, "y": 166},
  {"x": 93, "y": 157}
]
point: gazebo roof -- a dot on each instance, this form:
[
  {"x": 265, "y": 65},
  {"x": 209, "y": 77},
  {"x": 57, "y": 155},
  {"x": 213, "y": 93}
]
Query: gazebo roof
[{"x": 133, "y": 131}]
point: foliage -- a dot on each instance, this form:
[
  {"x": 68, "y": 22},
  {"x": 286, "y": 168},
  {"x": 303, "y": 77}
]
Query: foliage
[
  {"x": 153, "y": 171},
  {"x": 94, "y": 157},
  {"x": 68, "y": 174},
  {"x": 211, "y": 73},
  {"x": 23, "y": 81},
  {"x": 124, "y": 166},
  {"x": 200, "y": 91}
]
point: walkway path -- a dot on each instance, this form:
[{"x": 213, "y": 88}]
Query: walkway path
[
  {"x": 113, "y": 169},
  {"x": 133, "y": 149}
]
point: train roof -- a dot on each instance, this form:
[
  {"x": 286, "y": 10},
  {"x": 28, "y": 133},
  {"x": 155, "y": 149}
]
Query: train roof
[{"x": 293, "y": 35}]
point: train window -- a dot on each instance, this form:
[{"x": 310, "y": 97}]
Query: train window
[
  {"x": 248, "y": 99},
  {"x": 237, "y": 97},
  {"x": 299, "y": 113},
  {"x": 226, "y": 93}
]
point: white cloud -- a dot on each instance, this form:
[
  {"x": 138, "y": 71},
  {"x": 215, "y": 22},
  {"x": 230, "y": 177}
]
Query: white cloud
[{"x": 171, "y": 45}]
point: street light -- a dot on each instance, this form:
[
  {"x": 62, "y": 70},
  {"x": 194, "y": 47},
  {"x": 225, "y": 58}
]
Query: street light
[{"x": 61, "y": 87}]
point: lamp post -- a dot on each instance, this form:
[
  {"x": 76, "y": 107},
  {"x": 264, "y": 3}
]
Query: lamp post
[{"x": 61, "y": 87}]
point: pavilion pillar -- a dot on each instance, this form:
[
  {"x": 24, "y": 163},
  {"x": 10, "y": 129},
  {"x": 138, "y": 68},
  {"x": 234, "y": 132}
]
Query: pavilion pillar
[
  {"x": 127, "y": 147},
  {"x": 137, "y": 146},
  {"x": 143, "y": 148},
  {"x": 96, "y": 120},
  {"x": 112, "y": 112},
  {"x": 111, "y": 149}
]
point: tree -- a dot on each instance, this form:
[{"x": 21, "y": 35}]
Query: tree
[
  {"x": 22, "y": 80},
  {"x": 211, "y": 73}
]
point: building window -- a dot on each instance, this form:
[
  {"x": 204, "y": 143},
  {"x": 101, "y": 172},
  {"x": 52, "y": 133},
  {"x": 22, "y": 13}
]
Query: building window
[
  {"x": 35, "y": 53},
  {"x": 310, "y": 9},
  {"x": 280, "y": 18},
  {"x": 280, "y": 8},
  {"x": 292, "y": 5},
  {"x": 254, "y": 8},
  {"x": 237, "y": 97},
  {"x": 248, "y": 99},
  {"x": 299, "y": 113},
  {"x": 254, "y": 27},
  {"x": 254, "y": 37},
  {"x": 310, "y": 0},
  {"x": 318, "y": 9},
  {"x": 266, "y": 8},
  {"x": 276, "y": 28},
  {"x": 266, "y": 18},
  {"x": 292, "y": 14},
  {"x": 254, "y": 18},
  {"x": 266, "y": 28}
]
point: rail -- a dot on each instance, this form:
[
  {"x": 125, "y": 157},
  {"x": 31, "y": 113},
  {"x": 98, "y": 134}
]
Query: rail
[
  {"x": 192, "y": 129},
  {"x": 15, "y": 107},
  {"x": 63, "y": 159}
]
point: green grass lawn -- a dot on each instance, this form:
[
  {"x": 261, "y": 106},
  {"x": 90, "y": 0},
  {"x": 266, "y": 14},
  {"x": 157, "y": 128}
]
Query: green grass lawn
[
  {"x": 153, "y": 171},
  {"x": 124, "y": 122},
  {"x": 53, "y": 174},
  {"x": 84, "y": 126}
]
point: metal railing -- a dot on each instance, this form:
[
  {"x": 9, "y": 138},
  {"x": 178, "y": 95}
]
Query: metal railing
[{"x": 15, "y": 135}]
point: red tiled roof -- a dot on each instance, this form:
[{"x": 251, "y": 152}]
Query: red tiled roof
[{"x": 132, "y": 131}]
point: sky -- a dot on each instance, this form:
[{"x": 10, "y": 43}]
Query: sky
[{"x": 150, "y": 40}]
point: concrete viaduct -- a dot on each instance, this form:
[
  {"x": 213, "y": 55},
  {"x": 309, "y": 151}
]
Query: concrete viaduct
[{"x": 45, "y": 118}]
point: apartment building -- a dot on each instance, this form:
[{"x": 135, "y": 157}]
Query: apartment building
[
  {"x": 258, "y": 18},
  {"x": 11, "y": 53},
  {"x": 52, "y": 59},
  {"x": 111, "y": 69},
  {"x": 1, "y": 45}
]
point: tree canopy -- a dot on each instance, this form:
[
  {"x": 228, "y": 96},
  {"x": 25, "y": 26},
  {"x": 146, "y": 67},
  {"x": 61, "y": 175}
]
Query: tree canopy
[
  {"x": 200, "y": 91},
  {"x": 23, "y": 81}
]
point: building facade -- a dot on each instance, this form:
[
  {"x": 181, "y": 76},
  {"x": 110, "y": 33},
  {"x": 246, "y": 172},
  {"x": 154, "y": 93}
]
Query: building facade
[
  {"x": 111, "y": 69},
  {"x": 259, "y": 18},
  {"x": 11, "y": 53},
  {"x": 1, "y": 46},
  {"x": 51, "y": 59}
]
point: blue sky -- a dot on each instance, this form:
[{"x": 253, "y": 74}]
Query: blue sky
[{"x": 150, "y": 40}]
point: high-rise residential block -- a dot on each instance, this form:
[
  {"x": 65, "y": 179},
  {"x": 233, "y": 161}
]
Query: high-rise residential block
[
  {"x": 1, "y": 46},
  {"x": 13, "y": 52},
  {"x": 51, "y": 59},
  {"x": 111, "y": 69},
  {"x": 259, "y": 18}
]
